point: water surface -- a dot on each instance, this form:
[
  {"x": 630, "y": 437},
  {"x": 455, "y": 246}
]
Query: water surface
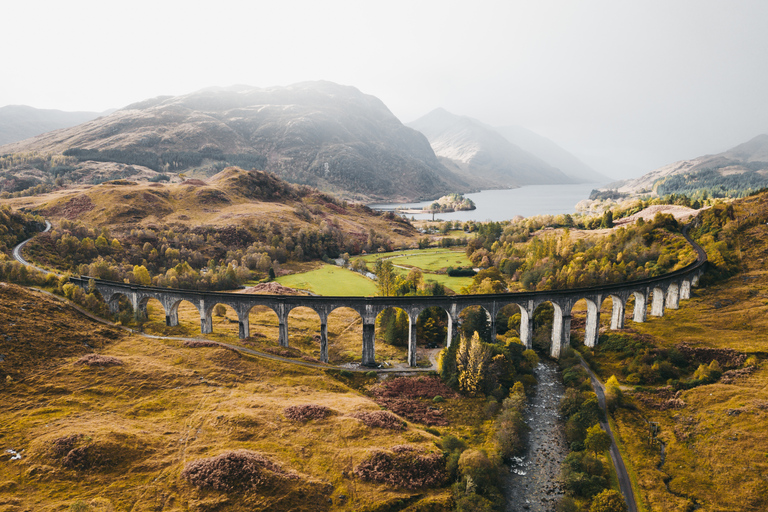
[{"x": 497, "y": 205}]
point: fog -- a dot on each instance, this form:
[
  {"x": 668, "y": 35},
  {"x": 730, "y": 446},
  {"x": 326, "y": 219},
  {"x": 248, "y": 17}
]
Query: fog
[{"x": 626, "y": 86}]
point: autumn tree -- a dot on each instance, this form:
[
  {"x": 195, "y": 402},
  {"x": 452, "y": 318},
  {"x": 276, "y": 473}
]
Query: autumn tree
[
  {"x": 471, "y": 360},
  {"x": 597, "y": 439},
  {"x": 608, "y": 501},
  {"x": 386, "y": 279}
]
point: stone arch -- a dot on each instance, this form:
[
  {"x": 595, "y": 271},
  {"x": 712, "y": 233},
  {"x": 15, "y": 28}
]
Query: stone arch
[
  {"x": 304, "y": 326},
  {"x": 261, "y": 321},
  {"x": 560, "y": 334},
  {"x": 145, "y": 308},
  {"x": 177, "y": 307},
  {"x": 224, "y": 322},
  {"x": 393, "y": 331},
  {"x": 344, "y": 332},
  {"x": 506, "y": 316},
  {"x": 115, "y": 300},
  {"x": 475, "y": 318}
]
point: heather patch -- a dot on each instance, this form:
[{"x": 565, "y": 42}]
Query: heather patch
[
  {"x": 98, "y": 360},
  {"x": 403, "y": 466},
  {"x": 236, "y": 471},
  {"x": 413, "y": 387},
  {"x": 380, "y": 419},
  {"x": 415, "y": 410},
  {"x": 307, "y": 412}
]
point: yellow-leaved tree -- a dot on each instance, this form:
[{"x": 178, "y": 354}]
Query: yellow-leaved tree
[{"x": 471, "y": 360}]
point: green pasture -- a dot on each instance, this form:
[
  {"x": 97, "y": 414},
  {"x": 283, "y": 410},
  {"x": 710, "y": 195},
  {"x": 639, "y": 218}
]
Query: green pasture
[{"x": 330, "y": 280}]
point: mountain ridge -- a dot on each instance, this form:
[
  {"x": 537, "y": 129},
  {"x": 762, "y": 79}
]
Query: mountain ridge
[{"x": 480, "y": 150}]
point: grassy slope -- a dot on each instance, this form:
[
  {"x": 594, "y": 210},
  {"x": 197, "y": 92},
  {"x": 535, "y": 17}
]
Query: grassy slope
[
  {"x": 716, "y": 448},
  {"x": 166, "y": 406},
  {"x": 227, "y": 199}
]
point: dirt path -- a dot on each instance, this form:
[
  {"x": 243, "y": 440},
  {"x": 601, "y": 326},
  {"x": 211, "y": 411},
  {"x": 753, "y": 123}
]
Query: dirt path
[{"x": 625, "y": 484}]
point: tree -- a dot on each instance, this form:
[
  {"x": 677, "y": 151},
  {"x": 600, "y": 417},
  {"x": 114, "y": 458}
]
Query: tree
[
  {"x": 385, "y": 277},
  {"x": 607, "y": 220},
  {"x": 141, "y": 274},
  {"x": 471, "y": 360},
  {"x": 608, "y": 501},
  {"x": 597, "y": 439}
]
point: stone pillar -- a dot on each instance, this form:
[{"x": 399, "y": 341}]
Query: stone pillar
[
  {"x": 640, "y": 307},
  {"x": 171, "y": 312},
  {"x": 673, "y": 296},
  {"x": 134, "y": 297},
  {"x": 324, "y": 339},
  {"x": 244, "y": 322},
  {"x": 561, "y": 333},
  {"x": 412, "y": 319},
  {"x": 526, "y": 327},
  {"x": 695, "y": 280},
  {"x": 114, "y": 305},
  {"x": 685, "y": 289},
  {"x": 449, "y": 334},
  {"x": 282, "y": 321},
  {"x": 617, "y": 313},
  {"x": 657, "y": 306},
  {"x": 592, "y": 327},
  {"x": 493, "y": 328},
  {"x": 369, "y": 336}
]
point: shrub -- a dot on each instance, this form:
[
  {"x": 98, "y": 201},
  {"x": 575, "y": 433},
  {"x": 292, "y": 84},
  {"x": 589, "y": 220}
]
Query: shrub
[
  {"x": 403, "y": 466},
  {"x": 199, "y": 343},
  {"x": 380, "y": 419},
  {"x": 415, "y": 410},
  {"x": 236, "y": 470},
  {"x": 307, "y": 412},
  {"x": 98, "y": 360},
  {"x": 413, "y": 387}
]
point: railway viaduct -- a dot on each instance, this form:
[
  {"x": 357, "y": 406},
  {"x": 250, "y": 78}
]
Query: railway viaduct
[{"x": 663, "y": 292}]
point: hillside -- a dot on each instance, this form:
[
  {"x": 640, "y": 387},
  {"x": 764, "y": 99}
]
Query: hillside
[
  {"x": 96, "y": 419},
  {"x": 321, "y": 134},
  {"x": 218, "y": 233},
  {"x": 478, "y": 150},
  {"x": 740, "y": 169},
  {"x": 19, "y": 122},
  {"x": 711, "y": 421}
]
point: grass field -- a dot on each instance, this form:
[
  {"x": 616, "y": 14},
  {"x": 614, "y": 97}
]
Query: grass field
[
  {"x": 330, "y": 280},
  {"x": 138, "y": 424},
  {"x": 429, "y": 261}
]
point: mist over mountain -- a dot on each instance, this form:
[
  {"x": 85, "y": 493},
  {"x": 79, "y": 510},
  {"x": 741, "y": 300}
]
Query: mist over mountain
[
  {"x": 739, "y": 169},
  {"x": 551, "y": 153},
  {"x": 476, "y": 149},
  {"x": 321, "y": 134},
  {"x": 19, "y": 122}
]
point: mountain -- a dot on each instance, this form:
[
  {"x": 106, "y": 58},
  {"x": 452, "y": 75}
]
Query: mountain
[
  {"x": 552, "y": 154},
  {"x": 19, "y": 122},
  {"x": 476, "y": 149},
  {"x": 737, "y": 170},
  {"x": 321, "y": 134}
]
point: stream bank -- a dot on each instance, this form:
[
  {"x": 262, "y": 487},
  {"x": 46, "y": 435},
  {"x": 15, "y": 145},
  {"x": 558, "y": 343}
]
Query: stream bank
[{"x": 533, "y": 483}]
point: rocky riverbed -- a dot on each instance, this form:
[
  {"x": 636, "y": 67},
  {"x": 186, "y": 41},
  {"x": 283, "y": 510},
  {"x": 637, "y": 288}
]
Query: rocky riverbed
[{"x": 533, "y": 483}]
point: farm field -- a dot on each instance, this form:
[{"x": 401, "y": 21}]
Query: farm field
[{"x": 330, "y": 280}]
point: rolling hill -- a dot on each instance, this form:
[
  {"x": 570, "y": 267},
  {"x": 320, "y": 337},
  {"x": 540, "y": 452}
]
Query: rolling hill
[
  {"x": 19, "y": 122},
  {"x": 739, "y": 169},
  {"x": 322, "y": 134},
  {"x": 468, "y": 146}
]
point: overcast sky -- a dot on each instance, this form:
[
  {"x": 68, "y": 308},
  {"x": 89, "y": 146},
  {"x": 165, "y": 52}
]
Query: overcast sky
[{"x": 626, "y": 85}]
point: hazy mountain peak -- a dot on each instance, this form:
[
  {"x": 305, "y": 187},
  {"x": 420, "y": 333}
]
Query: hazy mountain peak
[{"x": 479, "y": 150}]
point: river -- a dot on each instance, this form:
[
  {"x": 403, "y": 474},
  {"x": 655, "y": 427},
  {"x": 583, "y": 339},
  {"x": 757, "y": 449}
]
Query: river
[
  {"x": 533, "y": 483},
  {"x": 498, "y": 205}
]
